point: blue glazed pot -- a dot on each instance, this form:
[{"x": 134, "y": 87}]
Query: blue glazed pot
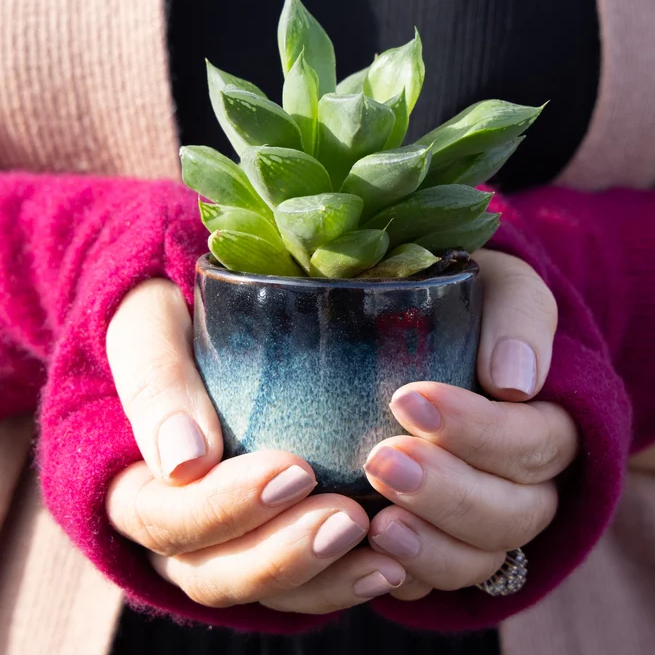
[{"x": 310, "y": 365}]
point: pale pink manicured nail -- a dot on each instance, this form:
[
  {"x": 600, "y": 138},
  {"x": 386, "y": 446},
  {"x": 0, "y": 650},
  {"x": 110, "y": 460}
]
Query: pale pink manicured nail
[
  {"x": 179, "y": 441},
  {"x": 293, "y": 482},
  {"x": 395, "y": 469},
  {"x": 398, "y": 540},
  {"x": 514, "y": 366},
  {"x": 377, "y": 583},
  {"x": 338, "y": 534},
  {"x": 414, "y": 408}
]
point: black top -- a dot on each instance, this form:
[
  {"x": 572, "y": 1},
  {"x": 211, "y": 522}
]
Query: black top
[{"x": 524, "y": 51}]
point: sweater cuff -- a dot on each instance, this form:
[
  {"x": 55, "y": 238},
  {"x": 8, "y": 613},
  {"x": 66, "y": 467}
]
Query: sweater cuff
[
  {"x": 86, "y": 438},
  {"x": 589, "y": 493},
  {"x": 583, "y": 381}
]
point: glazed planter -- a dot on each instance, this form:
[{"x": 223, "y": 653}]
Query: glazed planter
[{"x": 310, "y": 365}]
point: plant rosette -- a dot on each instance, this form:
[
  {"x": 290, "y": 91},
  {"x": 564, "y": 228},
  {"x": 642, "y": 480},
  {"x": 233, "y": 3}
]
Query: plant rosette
[{"x": 338, "y": 267}]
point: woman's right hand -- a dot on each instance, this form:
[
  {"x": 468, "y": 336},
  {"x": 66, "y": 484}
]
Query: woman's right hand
[{"x": 227, "y": 532}]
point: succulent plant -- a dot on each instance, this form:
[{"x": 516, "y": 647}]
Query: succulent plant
[{"x": 325, "y": 187}]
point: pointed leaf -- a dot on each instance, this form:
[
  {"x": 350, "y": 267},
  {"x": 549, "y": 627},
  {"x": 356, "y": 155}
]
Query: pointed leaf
[
  {"x": 350, "y": 254},
  {"x": 349, "y": 128},
  {"x": 217, "y": 80},
  {"x": 385, "y": 177},
  {"x": 395, "y": 70},
  {"x": 238, "y": 251},
  {"x": 258, "y": 121},
  {"x": 353, "y": 83},
  {"x": 298, "y": 29},
  {"x": 398, "y": 105},
  {"x": 483, "y": 126},
  {"x": 282, "y": 173},
  {"x": 469, "y": 236},
  {"x": 402, "y": 261},
  {"x": 430, "y": 210},
  {"x": 472, "y": 170},
  {"x": 309, "y": 222},
  {"x": 218, "y": 178},
  {"x": 300, "y": 100},
  {"x": 218, "y": 217}
]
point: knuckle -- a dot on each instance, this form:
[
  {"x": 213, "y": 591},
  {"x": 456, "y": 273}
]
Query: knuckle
[
  {"x": 215, "y": 514},
  {"x": 201, "y": 590},
  {"x": 161, "y": 375},
  {"x": 461, "y": 503},
  {"x": 489, "y": 430},
  {"x": 535, "y": 463},
  {"x": 152, "y": 536},
  {"x": 277, "y": 577},
  {"x": 491, "y": 566},
  {"x": 527, "y": 522}
]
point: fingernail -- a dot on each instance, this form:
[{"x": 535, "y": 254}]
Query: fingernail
[
  {"x": 377, "y": 583},
  {"x": 292, "y": 483},
  {"x": 398, "y": 540},
  {"x": 414, "y": 408},
  {"x": 179, "y": 441},
  {"x": 338, "y": 534},
  {"x": 514, "y": 366},
  {"x": 395, "y": 469}
]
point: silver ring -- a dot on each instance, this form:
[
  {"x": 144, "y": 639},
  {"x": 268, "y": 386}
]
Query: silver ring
[{"x": 511, "y": 576}]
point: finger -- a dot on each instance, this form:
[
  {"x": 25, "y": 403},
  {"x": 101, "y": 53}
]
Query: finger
[
  {"x": 412, "y": 589},
  {"x": 281, "y": 555},
  {"x": 357, "y": 577},
  {"x": 149, "y": 350},
  {"x": 237, "y": 496},
  {"x": 527, "y": 443},
  {"x": 518, "y": 327},
  {"x": 480, "y": 509},
  {"x": 430, "y": 555}
]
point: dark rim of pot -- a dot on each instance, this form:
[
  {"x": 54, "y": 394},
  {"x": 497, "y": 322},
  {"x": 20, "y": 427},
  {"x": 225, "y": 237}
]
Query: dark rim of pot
[{"x": 466, "y": 272}]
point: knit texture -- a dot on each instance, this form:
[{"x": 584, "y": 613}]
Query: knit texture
[
  {"x": 85, "y": 88},
  {"x": 75, "y": 246}
]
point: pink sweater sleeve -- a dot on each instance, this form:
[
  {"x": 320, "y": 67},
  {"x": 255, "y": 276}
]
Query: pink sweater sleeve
[
  {"x": 72, "y": 247},
  {"x": 595, "y": 253}
]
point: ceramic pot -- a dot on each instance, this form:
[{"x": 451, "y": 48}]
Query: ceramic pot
[{"x": 310, "y": 365}]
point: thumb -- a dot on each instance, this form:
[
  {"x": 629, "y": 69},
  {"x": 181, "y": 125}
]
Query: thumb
[
  {"x": 518, "y": 327},
  {"x": 149, "y": 347}
]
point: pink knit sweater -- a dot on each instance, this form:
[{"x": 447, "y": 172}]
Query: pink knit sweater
[{"x": 72, "y": 247}]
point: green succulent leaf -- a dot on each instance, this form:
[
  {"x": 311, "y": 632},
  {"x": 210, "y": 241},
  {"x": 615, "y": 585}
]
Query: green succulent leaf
[
  {"x": 353, "y": 83},
  {"x": 483, "y": 126},
  {"x": 349, "y": 128},
  {"x": 217, "y": 80},
  {"x": 257, "y": 121},
  {"x": 309, "y": 222},
  {"x": 300, "y": 101},
  {"x": 350, "y": 254},
  {"x": 470, "y": 235},
  {"x": 248, "y": 253},
  {"x": 396, "y": 70},
  {"x": 218, "y": 217},
  {"x": 298, "y": 30},
  {"x": 430, "y": 210},
  {"x": 218, "y": 178},
  {"x": 385, "y": 177},
  {"x": 472, "y": 170},
  {"x": 282, "y": 173},
  {"x": 403, "y": 261},
  {"x": 398, "y": 105}
]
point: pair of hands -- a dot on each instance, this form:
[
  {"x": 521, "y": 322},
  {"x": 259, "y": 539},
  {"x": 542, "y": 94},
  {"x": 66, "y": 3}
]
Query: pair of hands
[{"x": 474, "y": 480}]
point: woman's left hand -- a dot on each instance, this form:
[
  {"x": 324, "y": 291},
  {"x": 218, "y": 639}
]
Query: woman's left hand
[{"x": 477, "y": 477}]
